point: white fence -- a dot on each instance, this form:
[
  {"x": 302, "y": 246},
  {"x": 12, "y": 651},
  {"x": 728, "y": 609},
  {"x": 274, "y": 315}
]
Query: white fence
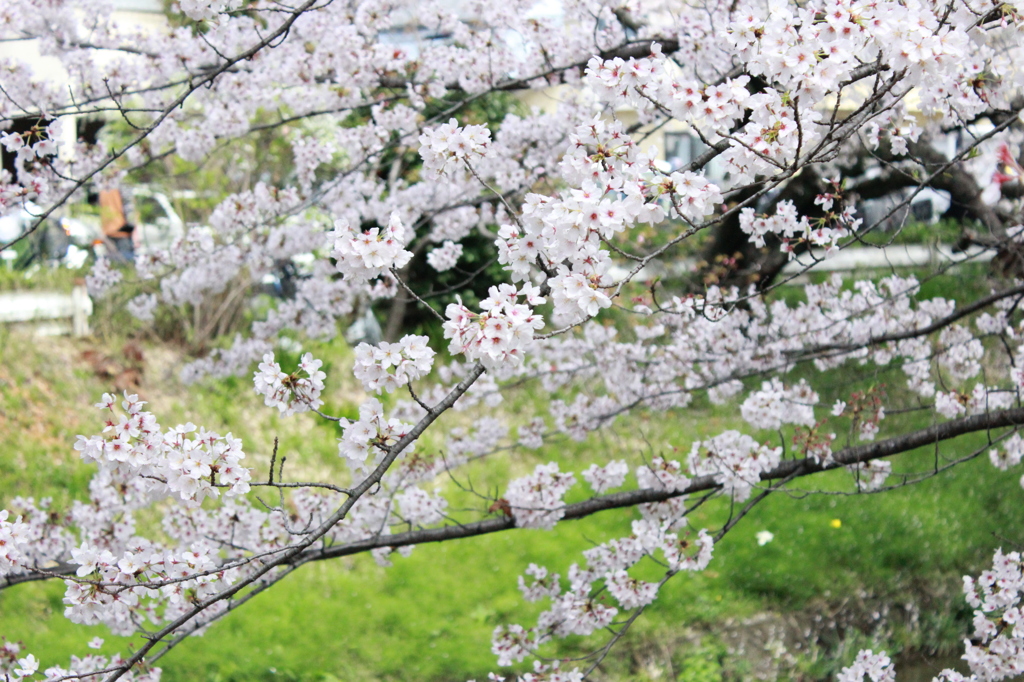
[
  {"x": 856, "y": 258},
  {"x": 47, "y": 306},
  {"x": 897, "y": 256}
]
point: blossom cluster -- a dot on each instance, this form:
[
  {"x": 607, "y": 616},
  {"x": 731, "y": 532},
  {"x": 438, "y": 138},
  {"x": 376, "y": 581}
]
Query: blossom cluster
[
  {"x": 1009, "y": 455},
  {"x": 408, "y": 359},
  {"x": 118, "y": 586},
  {"x": 483, "y": 438},
  {"x": 582, "y": 416},
  {"x": 662, "y": 474},
  {"x": 12, "y": 538},
  {"x": 39, "y": 532},
  {"x": 188, "y": 462},
  {"x": 25, "y": 151},
  {"x": 420, "y": 508},
  {"x": 612, "y": 188},
  {"x": 876, "y": 667},
  {"x": 602, "y": 479},
  {"x": 448, "y": 142},
  {"x": 870, "y": 476},
  {"x": 365, "y": 255},
  {"x": 775, "y": 405},
  {"x": 735, "y": 460},
  {"x": 951, "y": 404},
  {"x": 543, "y": 585},
  {"x": 583, "y": 607},
  {"x": 578, "y": 296},
  {"x": 501, "y": 334},
  {"x": 371, "y": 434},
  {"x": 142, "y": 307},
  {"x": 102, "y": 277},
  {"x": 122, "y": 579},
  {"x": 693, "y": 196},
  {"x": 791, "y": 228},
  {"x": 704, "y": 343},
  {"x": 960, "y": 353},
  {"x": 290, "y": 393},
  {"x": 13, "y": 666},
  {"x": 996, "y": 650},
  {"x": 201, "y": 10},
  {"x": 536, "y": 500},
  {"x": 444, "y": 257}
]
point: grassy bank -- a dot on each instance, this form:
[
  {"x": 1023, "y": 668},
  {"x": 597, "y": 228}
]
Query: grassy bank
[{"x": 844, "y": 558}]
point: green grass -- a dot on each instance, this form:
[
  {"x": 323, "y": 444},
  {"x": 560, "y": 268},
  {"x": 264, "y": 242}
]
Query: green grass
[
  {"x": 430, "y": 616},
  {"x": 944, "y": 231},
  {"x": 38, "y": 276}
]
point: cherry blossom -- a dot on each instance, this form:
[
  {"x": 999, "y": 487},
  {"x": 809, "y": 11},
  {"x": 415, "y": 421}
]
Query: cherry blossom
[
  {"x": 372, "y": 432},
  {"x": 543, "y": 585},
  {"x": 445, "y": 256},
  {"x": 102, "y": 277},
  {"x": 142, "y": 307},
  {"x": 12, "y": 539},
  {"x": 451, "y": 144},
  {"x": 611, "y": 475},
  {"x": 789, "y": 112},
  {"x": 290, "y": 393},
  {"x": 364, "y": 255},
  {"x": 735, "y": 460},
  {"x": 876, "y": 667},
  {"x": 536, "y": 500},
  {"x": 408, "y": 360},
  {"x": 501, "y": 333}
]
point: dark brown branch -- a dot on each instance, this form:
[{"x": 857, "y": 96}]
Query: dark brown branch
[
  {"x": 631, "y": 498},
  {"x": 935, "y": 326}
]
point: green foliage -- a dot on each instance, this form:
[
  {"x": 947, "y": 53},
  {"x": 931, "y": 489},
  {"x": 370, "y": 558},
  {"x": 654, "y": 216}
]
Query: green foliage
[
  {"x": 40, "y": 277},
  {"x": 945, "y": 231},
  {"x": 702, "y": 665}
]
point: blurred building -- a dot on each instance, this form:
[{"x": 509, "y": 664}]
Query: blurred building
[{"x": 146, "y": 15}]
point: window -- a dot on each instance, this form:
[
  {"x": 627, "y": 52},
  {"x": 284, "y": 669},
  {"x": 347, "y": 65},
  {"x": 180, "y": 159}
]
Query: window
[{"x": 682, "y": 148}]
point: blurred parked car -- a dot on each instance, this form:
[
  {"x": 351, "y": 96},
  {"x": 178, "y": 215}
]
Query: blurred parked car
[
  {"x": 891, "y": 214},
  {"x": 69, "y": 241},
  {"x": 158, "y": 223},
  {"x": 48, "y": 242}
]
